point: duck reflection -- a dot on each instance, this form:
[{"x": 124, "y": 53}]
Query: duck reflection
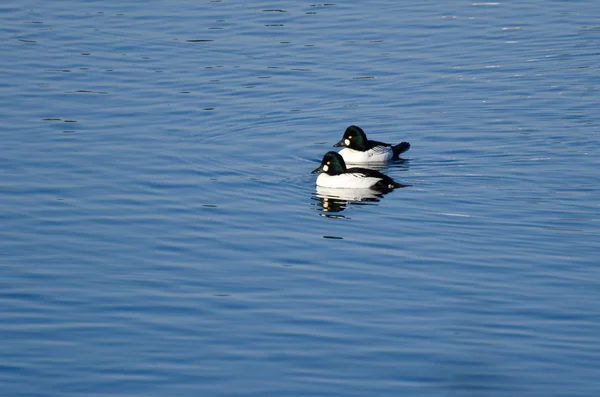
[{"x": 332, "y": 200}]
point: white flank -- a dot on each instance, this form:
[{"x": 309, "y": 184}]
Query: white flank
[
  {"x": 346, "y": 181},
  {"x": 353, "y": 194},
  {"x": 379, "y": 154}
]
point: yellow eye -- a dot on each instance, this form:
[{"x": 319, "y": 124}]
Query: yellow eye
[
  {"x": 329, "y": 163},
  {"x": 350, "y": 137}
]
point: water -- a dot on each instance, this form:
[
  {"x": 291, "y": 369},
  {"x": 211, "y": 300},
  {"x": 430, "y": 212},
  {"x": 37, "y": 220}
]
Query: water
[{"x": 162, "y": 234}]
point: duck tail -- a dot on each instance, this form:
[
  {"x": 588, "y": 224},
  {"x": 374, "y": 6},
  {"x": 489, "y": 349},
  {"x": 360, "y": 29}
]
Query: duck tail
[
  {"x": 386, "y": 185},
  {"x": 400, "y": 148}
]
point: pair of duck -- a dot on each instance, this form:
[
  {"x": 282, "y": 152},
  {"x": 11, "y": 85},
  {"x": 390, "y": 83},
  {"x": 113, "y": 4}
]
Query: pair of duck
[{"x": 359, "y": 150}]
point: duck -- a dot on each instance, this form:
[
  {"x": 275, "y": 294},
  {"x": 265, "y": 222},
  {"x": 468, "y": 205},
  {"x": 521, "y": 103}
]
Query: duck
[
  {"x": 359, "y": 150},
  {"x": 335, "y": 174}
]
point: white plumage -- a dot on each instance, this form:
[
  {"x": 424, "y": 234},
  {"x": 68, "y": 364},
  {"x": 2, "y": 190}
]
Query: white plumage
[
  {"x": 378, "y": 154},
  {"x": 350, "y": 194},
  {"x": 348, "y": 180}
]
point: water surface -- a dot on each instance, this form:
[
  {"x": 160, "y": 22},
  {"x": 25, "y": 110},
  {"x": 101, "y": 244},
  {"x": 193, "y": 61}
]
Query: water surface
[{"x": 162, "y": 233}]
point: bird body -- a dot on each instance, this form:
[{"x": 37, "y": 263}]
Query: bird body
[
  {"x": 358, "y": 149},
  {"x": 335, "y": 174}
]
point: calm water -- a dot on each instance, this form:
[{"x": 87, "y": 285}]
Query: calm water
[{"x": 162, "y": 234}]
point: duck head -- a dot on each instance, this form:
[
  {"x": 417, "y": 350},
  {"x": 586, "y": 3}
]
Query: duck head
[
  {"x": 354, "y": 138},
  {"x": 332, "y": 164}
]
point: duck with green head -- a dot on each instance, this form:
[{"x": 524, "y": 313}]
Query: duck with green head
[
  {"x": 335, "y": 174},
  {"x": 359, "y": 150}
]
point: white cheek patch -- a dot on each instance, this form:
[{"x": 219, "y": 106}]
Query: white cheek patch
[
  {"x": 347, "y": 142},
  {"x": 325, "y": 168}
]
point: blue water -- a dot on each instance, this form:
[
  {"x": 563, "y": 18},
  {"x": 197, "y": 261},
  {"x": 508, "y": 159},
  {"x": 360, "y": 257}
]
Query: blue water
[{"x": 162, "y": 234}]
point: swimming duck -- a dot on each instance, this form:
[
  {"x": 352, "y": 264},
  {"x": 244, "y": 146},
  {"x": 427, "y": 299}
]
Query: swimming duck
[
  {"x": 358, "y": 149},
  {"x": 334, "y": 174}
]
